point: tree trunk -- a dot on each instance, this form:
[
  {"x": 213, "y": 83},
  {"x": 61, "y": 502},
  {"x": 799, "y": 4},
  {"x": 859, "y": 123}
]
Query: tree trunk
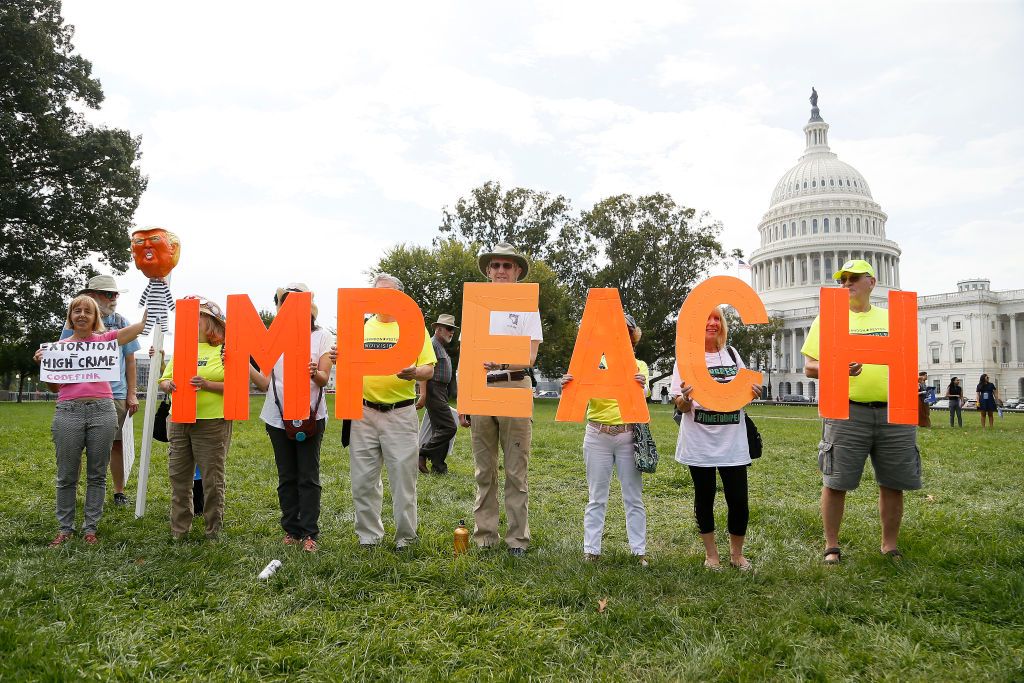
[{"x": 21, "y": 384}]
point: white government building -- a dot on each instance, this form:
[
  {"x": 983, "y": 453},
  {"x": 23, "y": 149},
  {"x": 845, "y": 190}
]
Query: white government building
[{"x": 822, "y": 214}]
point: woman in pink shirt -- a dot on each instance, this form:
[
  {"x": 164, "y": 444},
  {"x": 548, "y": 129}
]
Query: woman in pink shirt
[{"x": 85, "y": 418}]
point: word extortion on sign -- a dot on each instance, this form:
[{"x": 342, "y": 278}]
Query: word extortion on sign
[
  {"x": 69, "y": 361},
  {"x": 602, "y": 335}
]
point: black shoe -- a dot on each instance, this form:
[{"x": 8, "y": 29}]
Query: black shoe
[
  {"x": 121, "y": 500},
  {"x": 517, "y": 552}
]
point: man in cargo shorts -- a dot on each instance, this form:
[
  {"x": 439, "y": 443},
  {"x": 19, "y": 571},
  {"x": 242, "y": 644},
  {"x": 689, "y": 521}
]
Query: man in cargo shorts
[{"x": 846, "y": 444}]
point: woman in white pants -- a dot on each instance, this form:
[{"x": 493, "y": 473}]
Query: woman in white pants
[{"x": 608, "y": 445}]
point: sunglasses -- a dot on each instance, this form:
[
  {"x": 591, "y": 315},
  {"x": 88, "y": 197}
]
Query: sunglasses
[
  {"x": 502, "y": 265},
  {"x": 851, "y": 278},
  {"x": 203, "y": 301},
  {"x": 110, "y": 295}
]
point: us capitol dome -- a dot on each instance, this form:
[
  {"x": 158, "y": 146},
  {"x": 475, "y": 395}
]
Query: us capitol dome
[{"x": 821, "y": 214}]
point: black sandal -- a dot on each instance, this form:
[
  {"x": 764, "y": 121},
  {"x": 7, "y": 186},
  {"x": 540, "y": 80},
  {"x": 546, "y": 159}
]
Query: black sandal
[
  {"x": 893, "y": 554},
  {"x": 833, "y": 551}
]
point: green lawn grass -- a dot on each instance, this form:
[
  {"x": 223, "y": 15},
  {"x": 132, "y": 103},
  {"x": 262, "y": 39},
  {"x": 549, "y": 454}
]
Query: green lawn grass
[{"x": 138, "y": 606}]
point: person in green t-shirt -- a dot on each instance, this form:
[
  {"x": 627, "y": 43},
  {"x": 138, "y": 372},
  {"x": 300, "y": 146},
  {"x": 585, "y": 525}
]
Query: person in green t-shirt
[
  {"x": 846, "y": 444},
  {"x": 204, "y": 442},
  {"x": 387, "y": 435}
]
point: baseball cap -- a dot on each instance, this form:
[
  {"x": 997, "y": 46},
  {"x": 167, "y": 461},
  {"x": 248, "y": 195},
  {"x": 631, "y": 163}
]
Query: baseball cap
[{"x": 855, "y": 266}]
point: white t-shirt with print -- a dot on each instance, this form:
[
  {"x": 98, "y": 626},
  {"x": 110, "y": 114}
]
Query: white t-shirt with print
[
  {"x": 320, "y": 342},
  {"x": 517, "y": 324},
  {"x": 708, "y": 438}
]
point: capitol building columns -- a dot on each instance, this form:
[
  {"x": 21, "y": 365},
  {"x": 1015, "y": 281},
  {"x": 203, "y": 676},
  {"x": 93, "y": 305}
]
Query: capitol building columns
[{"x": 821, "y": 214}]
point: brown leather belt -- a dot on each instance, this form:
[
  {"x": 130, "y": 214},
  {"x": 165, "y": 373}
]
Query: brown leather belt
[
  {"x": 509, "y": 376},
  {"x": 610, "y": 429},
  {"x": 385, "y": 407}
]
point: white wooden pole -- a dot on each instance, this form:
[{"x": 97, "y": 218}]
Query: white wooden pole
[{"x": 147, "y": 426}]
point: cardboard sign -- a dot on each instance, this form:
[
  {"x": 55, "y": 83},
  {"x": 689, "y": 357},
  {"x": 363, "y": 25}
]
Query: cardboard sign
[
  {"x": 479, "y": 299},
  {"x": 603, "y": 333},
  {"x": 693, "y": 317},
  {"x": 69, "y": 361},
  {"x": 839, "y": 348},
  {"x": 128, "y": 445},
  {"x": 186, "y": 360},
  {"x": 247, "y": 336},
  {"x": 355, "y": 361}
]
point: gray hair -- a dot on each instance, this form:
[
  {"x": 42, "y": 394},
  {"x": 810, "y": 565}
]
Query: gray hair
[{"x": 390, "y": 278}]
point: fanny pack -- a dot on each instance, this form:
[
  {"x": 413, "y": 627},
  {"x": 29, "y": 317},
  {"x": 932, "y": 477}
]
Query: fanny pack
[{"x": 298, "y": 430}]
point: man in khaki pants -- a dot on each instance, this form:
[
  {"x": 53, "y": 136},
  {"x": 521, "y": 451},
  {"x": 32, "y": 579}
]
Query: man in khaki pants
[
  {"x": 387, "y": 436},
  {"x": 513, "y": 434}
]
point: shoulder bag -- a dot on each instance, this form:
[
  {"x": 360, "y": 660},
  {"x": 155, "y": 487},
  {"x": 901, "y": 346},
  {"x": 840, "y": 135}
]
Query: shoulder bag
[
  {"x": 298, "y": 430},
  {"x": 754, "y": 442}
]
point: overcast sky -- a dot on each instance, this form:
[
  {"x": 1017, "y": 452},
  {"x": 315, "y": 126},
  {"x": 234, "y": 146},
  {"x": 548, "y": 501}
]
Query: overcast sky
[{"x": 284, "y": 146}]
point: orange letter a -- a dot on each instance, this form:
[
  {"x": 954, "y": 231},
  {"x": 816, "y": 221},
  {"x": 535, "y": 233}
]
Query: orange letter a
[{"x": 603, "y": 332}]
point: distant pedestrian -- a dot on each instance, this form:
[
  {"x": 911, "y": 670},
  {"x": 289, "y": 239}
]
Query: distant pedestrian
[
  {"x": 988, "y": 395},
  {"x": 664, "y": 395},
  {"x": 924, "y": 418},
  {"x": 434, "y": 397},
  {"x": 84, "y": 419},
  {"x": 955, "y": 394}
]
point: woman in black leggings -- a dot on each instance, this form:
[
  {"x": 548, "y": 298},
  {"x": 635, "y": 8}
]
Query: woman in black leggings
[
  {"x": 955, "y": 394},
  {"x": 710, "y": 441}
]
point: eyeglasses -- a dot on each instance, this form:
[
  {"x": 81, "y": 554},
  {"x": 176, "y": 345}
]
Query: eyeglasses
[
  {"x": 850, "y": 278},
  {"x": 502, "y": 265}
]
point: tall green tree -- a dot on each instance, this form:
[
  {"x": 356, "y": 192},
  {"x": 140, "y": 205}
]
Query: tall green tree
[
  {"x": 68, "y": 189},
  {"x": 654, "y": 251},
  {"x": 527, "y": 219}
]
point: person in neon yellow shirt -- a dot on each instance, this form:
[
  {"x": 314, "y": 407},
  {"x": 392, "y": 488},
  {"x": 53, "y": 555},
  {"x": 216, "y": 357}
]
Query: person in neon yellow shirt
[
  {"x": 846, "y": 444},
  {"x": 387, "y": 435},
  {"x": 206, "y": 441},
  {"x": 608, "y": 445}
]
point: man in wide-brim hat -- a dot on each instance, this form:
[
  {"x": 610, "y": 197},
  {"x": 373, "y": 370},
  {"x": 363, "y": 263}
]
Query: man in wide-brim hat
[
  {"x": 434, "y": 397},
  {"x": 503, "y": 264},
  {"x": 103, "y": 289}
]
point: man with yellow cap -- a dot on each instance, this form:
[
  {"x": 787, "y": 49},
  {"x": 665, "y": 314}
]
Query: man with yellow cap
[{"x": 846, "y": 444}]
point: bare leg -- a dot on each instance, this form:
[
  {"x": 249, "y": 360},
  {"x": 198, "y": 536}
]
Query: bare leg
[
  {"x": 736, "y": 550},
  {"x": 890, "y": 509},
  {"x": 833, "y": 503},
  {"x": 710, "y": 549},
  {"x": 117, "y": 467}
]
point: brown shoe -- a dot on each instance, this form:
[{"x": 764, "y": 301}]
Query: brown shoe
[
  {"x": 60, "y": 539},
  {"x": 309, "y": 545},
  {"x": 91, "y": 539},
  {"x": 423, "y": 465}
]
